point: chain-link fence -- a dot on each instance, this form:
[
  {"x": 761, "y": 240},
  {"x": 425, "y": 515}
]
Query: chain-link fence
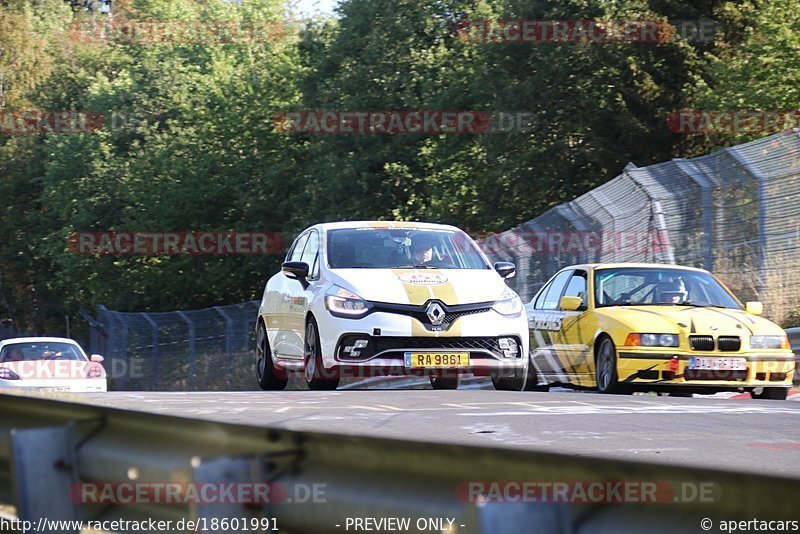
[
  {"x": 8, "y": 331},
  {"x": 182, "y": 350},
  {"x": 735, "y": 212}
]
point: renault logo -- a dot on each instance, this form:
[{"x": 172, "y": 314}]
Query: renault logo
[{"x": 435, "y": 313}]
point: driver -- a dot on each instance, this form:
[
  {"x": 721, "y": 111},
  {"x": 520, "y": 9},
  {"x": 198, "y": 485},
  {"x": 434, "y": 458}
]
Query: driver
[
  {"x": 15, "y": 355},
  {"x": 672, "y": 291},
  {"x": 422, "y": 250}
]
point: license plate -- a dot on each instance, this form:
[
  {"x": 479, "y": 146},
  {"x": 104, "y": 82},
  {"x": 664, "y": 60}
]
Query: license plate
[
  {"x": 718, "y": 364},
  {"x": 436, "y": 359}
]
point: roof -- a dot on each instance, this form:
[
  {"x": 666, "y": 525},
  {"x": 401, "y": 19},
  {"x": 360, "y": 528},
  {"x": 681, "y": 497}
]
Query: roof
[
  {"x": 385, "y": 224},
  {"x": 38, "y": 340},
  {"x": 634, "y": 265}
]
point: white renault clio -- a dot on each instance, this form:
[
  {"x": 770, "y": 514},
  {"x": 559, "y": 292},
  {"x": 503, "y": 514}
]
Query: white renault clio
[{"x": 358, "y": 299}]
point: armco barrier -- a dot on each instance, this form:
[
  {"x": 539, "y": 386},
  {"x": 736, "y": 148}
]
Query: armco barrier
[
  {"x": 794, "y": 341},
  {"x": 48, "y": 446}
]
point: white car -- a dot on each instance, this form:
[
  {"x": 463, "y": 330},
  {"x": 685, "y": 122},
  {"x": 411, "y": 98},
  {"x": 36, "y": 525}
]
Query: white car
[
  {"x": 390, "y": 298},
  {"x": 49, "y": 364}
]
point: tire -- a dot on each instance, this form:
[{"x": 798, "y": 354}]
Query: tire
[
  {"x": 445, "y": 382},
  {"x": 771, "y": 393},
  {"x": 265, "y": 369},
  {"x": 532, "y": 380},
  {"x": 606, "y": 367},
  {"x": 314, "y": 370},
  {"x": 511, "y": 383}
]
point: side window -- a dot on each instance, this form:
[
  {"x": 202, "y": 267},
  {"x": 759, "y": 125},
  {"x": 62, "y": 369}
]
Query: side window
[
  {"x": 551, "y": 300},
  {"x": 540, "y": 298},
  {"x": 297, "y": 249},
  {"x": 577, "y": 287},
  {"x": 311, "y": 251}
]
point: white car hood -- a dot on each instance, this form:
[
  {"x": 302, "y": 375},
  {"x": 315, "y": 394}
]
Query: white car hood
[{"x": 417, "y": 286}]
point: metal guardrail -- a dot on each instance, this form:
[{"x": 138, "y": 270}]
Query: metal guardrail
[
  {"x": 794, "y": 341},
  {"x": 46, "y": 446}
]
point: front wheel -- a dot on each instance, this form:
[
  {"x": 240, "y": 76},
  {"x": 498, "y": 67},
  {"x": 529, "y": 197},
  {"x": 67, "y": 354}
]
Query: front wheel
[
  {"x": 511, "y": 383},
  {"x": 265, "y": 369},
  {"x": 315, "y": 373},
  {"x": 606, "y": 368},
  {"x": 442, "y": 380},
  {"x": 770, "y": 393}
]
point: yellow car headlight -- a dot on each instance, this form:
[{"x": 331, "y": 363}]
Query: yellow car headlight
[
  {"x": 769, "y": 342},
  {"x": 652, "y": 340}
]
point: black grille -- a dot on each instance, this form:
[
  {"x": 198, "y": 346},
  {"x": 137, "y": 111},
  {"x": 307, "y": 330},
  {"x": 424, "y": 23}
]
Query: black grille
[
  {"x": 707, "y": 374},
  {"x": 729, "y": 343},
  {"x": 452, "y": 312},
  {"x": 705, "y": 343},
  {"x": 452, "y": 316}
]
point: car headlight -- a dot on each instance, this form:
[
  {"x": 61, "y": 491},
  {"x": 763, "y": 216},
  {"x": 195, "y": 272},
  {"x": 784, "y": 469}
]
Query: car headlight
[
  {"x": 8, "y": 374},
  {"x": 769, "y": 342},
  {"x": 509, "y": 303},
  {"x": 652, "y": 340},
  {"x": 343, "y": 303}
]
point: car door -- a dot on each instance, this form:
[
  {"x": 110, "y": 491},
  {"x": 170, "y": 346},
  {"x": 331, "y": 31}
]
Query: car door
[
  {"x": 299, "y": 294},
  {"x": 574, "y": 340},
  {"x": 285, "y": 341},
  {"x": 544, "y": 323}
]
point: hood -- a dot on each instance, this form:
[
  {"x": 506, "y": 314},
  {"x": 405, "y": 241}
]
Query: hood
[
  {"x": 417, "y": 286},
  {"x": 691, "y": 320}
]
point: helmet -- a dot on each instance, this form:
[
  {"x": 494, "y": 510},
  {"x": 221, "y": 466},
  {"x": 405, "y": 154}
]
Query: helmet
[{"x": 671, "y": 291}]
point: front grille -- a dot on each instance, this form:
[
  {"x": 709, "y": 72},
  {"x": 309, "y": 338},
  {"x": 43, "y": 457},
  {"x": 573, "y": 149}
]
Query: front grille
[
  {"x": 452, "y": 316},
  {"x": 729, "y": 343},
  {"x": 452, "y": 312},
  {"x": 704, "y": 343},
  {"x": 394, "y": 346}
]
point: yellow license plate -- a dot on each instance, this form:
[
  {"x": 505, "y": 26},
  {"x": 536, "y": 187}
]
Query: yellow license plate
[{"x": 437, "y": 359}]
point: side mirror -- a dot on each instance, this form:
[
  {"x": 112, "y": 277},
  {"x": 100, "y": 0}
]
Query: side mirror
[
  {"x": 96, "y": 358},
  {"x": 571, "y": 303},
  {"x": 756, "y": 308},
  {"x": 505, "y": 269},
  {"x": 295, "y": 269}
]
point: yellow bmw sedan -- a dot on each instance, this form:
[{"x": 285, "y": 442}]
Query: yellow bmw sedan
[{"x": 621, "y": 328}]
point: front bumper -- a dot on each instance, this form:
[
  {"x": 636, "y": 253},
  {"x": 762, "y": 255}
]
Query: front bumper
[
  {"x": 74, "y": 385},
  {"x": 673, "y": 369},
  {"x": 390, "y": 335}
]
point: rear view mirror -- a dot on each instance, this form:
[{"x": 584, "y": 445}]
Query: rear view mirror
[
  {"x": 754, "y": 307},
  {"x": 295, "y": 269},
  {"x": 571, "y": 303},
  {"x": 505, "y": 269}
]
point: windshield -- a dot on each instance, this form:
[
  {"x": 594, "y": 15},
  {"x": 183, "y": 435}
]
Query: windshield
[
  {"x": 653, "y": 286},
  {"x": 25, "y": 352},
  {"x": 393, "y": 248}
]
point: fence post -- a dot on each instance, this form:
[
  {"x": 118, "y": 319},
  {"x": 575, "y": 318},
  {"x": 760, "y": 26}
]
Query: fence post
[
  {"x": 689, "y": 169},
  {"x": 228, "y": 341},
  {"x": 156, "y": 355},
  {"x": 192, "y": 354},
  {"x": 661, "y": 230}
]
